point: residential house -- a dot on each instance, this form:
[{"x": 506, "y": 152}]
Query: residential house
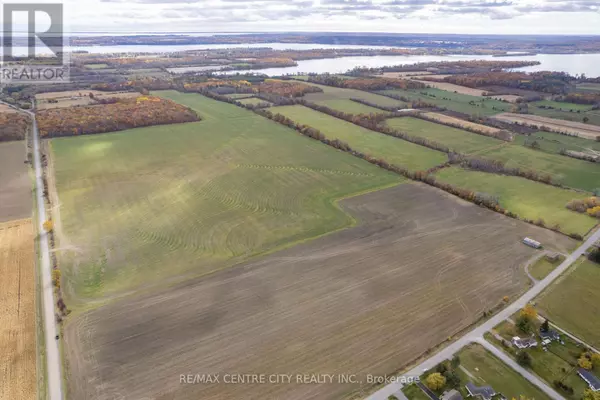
[
  {"x": 591, "y": 379},
  {"x": 524, "y": 343},
  {"x": 550, "y": 335},
  {"x": 483, "y": 392}
]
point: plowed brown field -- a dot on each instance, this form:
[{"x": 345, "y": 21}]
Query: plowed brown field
[
  {"x": 422, "y": 266},
  {"x": 17, "y": 312},
  {"x": 15, "y": 185}
]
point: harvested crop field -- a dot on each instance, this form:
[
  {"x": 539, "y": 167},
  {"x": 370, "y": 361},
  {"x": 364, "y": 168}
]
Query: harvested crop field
[
  {"x": 6, "y": 109},
  {"x": 456, "y": 139},
  {"x": 17, "y": 319},
  {"x": 467, "y": 124},
  {"x": 553, "y": 124},
  {"x": 15, "y": 196},
  {"x": 141, "y": 206},
  {"x": 393, "y": 150},
  {"x": 421, "y": 266},
  {"x": 451, "y": 87},
  {"x": 77, "y": 98}
]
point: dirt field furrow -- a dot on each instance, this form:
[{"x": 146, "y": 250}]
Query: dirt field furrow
[
  {"x": 17, "y": 316},
  {"x": 552, "y": 124},
  {"x": 15, "y": 184},
  {"x": 420, "y": 267}
]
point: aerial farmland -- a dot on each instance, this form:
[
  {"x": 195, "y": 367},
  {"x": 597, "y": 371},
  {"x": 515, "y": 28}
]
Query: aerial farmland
[{"x": 314, "y": 224}]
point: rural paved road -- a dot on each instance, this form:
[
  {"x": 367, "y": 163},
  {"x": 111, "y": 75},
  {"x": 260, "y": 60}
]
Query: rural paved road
[
  {"x": 477, "y": 333},
  {"x": 522, "y": 371},
  {"x": 53, "y": 361}
]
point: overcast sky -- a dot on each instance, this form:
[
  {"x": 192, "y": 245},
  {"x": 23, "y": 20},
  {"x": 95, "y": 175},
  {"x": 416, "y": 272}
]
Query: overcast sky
[{"x": 419, "y": 16}]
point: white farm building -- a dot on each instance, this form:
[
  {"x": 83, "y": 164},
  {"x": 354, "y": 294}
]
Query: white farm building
[{"x": 532, "y": 243}]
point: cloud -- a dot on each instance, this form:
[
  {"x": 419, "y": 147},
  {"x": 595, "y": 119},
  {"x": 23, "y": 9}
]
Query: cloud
[{"x": 284, "y": 12}]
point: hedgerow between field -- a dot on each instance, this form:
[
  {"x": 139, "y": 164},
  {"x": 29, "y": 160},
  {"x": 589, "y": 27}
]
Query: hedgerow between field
[{"x": 372, "y": 122}]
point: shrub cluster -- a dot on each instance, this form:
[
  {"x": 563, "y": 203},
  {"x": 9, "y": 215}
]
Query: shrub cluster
[{"x": 590, "y": 206}]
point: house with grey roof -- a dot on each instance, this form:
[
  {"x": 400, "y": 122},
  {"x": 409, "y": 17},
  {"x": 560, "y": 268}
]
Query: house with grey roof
[
  {"x": 483, "y": 392},
  {"x": 524, "y": 343},
  {"x": 591, "y": 379},
  {"x": 550, "y": 334}
]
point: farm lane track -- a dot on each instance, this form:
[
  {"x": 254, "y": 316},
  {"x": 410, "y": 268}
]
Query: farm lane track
[
  {"x": 356, "y": 301},
  {"x": 477, "y": 333}
]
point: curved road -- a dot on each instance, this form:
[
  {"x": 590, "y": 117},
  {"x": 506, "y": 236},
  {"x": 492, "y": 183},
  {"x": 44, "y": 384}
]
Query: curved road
[
  {"x": 476, "y": 335},
  {"x": 53, "y": 361}
]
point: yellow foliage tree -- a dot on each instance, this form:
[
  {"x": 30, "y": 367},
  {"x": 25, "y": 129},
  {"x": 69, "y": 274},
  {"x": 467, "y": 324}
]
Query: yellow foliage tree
[
  {"x": 48, "y": 225},
  {"x": 529, "y": 312},
  {"x": 585, "y": 362},
  {"x": 589, "y": 394},
  {"x": 56, "y": 278},
  {"x": 596, "y": 360},
  {"x": 435, "y": 381}
]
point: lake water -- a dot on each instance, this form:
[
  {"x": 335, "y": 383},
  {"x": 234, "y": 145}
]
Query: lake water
[{"x": 574, "y": 64}]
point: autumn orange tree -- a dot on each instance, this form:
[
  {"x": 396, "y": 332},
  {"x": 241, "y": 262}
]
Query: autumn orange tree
[
  {"x": 13, "y": 126},
  {"x": 126, "y": 113},
  {"x": 525, "y": 320}
]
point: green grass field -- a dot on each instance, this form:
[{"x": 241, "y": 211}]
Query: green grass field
[
  {"x": 253, "y": 100},
  {"x": 96, "y": 66},
  {"x": 393, "y": 150},
  {"x": 573, "y": 302},
  {"x": 239, "y": 95},
  {"x": 542, "y": 267},
  {"x": 488, "y": 370},
  {"x": 334, "y": 93},
  {"x": 561, "y": 106},
  {"x": 565, "y": 170},
  {"x": 413, "y": 392},
  {"x": 553, "y": 142},
  {"x": 350, "y": 107},
  {"x": 527, "y": 199},
  {"x": 144, "y": 205},
  {"x": 472, "y": 105},
  {"x": 566, "y": 113},
  {"x": 456, "y": 139},
  {"x": 588, "y": 87}
]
